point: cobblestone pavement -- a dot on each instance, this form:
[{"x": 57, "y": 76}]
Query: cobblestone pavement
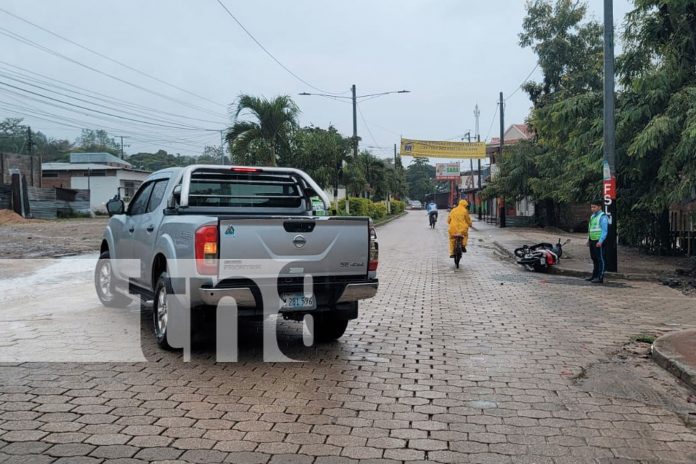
[{"x": 484, "y": 364}]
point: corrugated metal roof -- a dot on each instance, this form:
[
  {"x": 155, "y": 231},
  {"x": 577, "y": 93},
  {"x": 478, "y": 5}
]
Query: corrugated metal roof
[
  {"x": 76, "y": 167},
  {"x": 97, "y": 158},
  {"x": 85, "y": 167}
]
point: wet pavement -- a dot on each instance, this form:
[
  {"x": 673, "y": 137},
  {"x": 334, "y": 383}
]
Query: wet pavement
[{"x": 487, "y": 363}]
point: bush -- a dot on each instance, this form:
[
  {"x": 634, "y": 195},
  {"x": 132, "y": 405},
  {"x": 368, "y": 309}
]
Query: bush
[
  {"x": 378, "y": 210},
  {"x": 365, "y": 207},
  {"x": 397, "y": 206}
]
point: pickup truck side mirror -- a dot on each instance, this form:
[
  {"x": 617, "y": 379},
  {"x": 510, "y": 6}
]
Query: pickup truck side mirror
[
  {"x": 115, "y": 206},
  {"x": 175, "y": 198}
]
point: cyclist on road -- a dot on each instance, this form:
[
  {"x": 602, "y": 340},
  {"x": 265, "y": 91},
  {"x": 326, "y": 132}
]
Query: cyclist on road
[
  {"x": 459, "y": 222},
  {"x": 432, "y": 210}
]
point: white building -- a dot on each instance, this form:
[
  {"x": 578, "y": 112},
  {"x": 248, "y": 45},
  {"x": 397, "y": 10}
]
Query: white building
[{"x": 103, "y": 174}]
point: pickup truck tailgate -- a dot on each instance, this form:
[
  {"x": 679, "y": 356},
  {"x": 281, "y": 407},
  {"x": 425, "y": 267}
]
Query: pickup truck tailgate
[{"x": 320, "y": 246}]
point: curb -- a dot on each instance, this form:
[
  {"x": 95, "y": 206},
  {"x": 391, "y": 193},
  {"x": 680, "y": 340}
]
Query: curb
[
  {"x": 393, "y": 218},
  {"x": 673, "y": 361},
  {"x": 576, "y": 273}
]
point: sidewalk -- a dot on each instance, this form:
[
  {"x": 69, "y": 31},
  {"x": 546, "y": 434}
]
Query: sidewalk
[
  {"x": 576, "y": 258},
  {"x": 675, "y": 351}
]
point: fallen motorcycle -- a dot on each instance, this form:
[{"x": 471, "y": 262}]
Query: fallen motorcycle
[{"x": 540, "y": 257}]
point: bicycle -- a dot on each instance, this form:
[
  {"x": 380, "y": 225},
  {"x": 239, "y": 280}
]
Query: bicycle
[
  {"x": 433, "y": 219},
  {"x": 458, "y": 249}
]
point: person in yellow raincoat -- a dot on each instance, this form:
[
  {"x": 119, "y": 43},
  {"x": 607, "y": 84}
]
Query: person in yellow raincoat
[{"x": 459, "y": 222}]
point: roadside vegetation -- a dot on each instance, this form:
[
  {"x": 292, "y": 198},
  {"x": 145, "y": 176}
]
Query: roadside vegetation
[{"x": 655, "y": 114}]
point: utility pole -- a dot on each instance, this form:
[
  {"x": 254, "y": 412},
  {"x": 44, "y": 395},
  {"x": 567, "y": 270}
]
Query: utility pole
[
  {"x": 30, "y": 150},
  {"x": 500, "y": 152},
  {"x": 222, "y": 147},
  {"x": 609, "y": 185},
  {"x": 355, "y": 124},
  {"x": 123, "y": 156},
  {"x": 471, "y": 162},
  {"x": 477, "y": 114}
]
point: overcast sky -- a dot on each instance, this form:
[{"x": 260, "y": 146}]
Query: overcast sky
[{"x": 450, "y": 54}]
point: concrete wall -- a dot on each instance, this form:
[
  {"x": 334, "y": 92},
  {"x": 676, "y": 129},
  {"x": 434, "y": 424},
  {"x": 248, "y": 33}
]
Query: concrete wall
[
  {"x": 525, "y": 207},
  {"x": 30, "y": 166},
  {"x": 101, "y": 189}
]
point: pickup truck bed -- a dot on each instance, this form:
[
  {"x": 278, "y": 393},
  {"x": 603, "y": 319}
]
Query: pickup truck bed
[{"x": 251, "y": 234}]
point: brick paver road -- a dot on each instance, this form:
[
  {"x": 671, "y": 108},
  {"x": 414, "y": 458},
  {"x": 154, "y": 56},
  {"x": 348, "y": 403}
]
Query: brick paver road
[{"x": 484, "y": 364}]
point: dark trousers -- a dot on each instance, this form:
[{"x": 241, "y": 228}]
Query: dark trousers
[{"x": 598, "y": 260}]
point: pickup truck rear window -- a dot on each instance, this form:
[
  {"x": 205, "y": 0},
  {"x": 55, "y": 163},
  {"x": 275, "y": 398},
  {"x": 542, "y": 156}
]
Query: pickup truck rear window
[{"x": 244, "y": 190}]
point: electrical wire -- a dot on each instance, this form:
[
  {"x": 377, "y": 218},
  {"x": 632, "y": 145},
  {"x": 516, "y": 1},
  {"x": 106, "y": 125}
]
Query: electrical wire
[
  {"x": 362, "y": 116},
  {"x": 77, "y": 124},
  {"x": 271, "y": 55},
  {"x": 492, "y": 121},
  {"x": 101, "y": 55},
  {"x": 38, "y": 46},
  {"x": 125, "y": 112},
  {"x": 23, "y": 108},
  {"x": 68, "y": 87},
  {"x": 98, "y": 111},
  {"x": 523, "y": 82}
]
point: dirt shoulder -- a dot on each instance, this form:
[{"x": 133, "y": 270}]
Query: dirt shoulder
[{"x": 27, "y": 238}]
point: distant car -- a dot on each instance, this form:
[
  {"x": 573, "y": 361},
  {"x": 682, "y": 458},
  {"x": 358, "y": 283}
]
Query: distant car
[{"x": 415, "y": 204}]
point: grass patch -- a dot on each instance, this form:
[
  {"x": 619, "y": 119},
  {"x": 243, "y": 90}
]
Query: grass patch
[{"x": 644, "y": 338}]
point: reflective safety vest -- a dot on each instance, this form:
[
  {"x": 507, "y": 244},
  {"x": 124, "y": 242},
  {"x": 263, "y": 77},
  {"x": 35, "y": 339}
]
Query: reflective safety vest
[{"x": 595, "y": 227}]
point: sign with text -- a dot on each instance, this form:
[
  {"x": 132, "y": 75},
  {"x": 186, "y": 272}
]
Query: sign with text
[
  {"x": 447, "y": 171},
  {"x": 442, "y": 149},
  {"x": 610, "y": 189}
]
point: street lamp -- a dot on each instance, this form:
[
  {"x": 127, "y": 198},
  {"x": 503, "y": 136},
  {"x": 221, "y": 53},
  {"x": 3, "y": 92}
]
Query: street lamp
[{"x": 355, "y": 98}]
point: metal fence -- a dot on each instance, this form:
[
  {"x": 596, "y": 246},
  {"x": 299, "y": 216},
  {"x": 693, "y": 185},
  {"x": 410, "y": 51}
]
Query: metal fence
[{"x": 48, "y": 203}]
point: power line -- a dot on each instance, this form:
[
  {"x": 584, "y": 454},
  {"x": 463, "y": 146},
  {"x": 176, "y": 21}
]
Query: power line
[
  {"x": 362, "y": 116},
  {"x": 153, "y": 118},
  {"x": 38, "y": 46},
  {"x": 78, "y": 124},
  {"x": 492, "y": 121},
  {"x": 523, "y": 82},
  {"x": 22, "y": 108},
  {"x": 51, "y": 82},
  {"x": 271, "y": 55},
  {"x": 109, "y": 58},
  {"x": 97, "y": 111}
]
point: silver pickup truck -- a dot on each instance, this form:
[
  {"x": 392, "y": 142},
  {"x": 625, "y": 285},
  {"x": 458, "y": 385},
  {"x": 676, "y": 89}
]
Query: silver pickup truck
[{"x": 213, "y": 232}]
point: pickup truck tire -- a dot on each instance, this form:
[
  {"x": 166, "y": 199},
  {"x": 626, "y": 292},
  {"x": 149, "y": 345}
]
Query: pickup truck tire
[
  {"x": 328, "y": 327},
  {"x": 160, "y": 310},
  {"x": 106, "y": 284}
]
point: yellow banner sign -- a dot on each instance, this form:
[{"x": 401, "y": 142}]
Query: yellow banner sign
[{"x": 438, "y": 149}]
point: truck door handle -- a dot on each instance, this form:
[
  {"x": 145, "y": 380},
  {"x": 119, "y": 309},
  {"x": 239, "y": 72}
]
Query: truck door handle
[
  {"x": 131, "y": 229},
  {"x": 150, "y": 228}
]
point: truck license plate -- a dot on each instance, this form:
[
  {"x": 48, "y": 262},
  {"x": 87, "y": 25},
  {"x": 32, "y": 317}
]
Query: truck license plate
[{"x": 298, "y": 301}]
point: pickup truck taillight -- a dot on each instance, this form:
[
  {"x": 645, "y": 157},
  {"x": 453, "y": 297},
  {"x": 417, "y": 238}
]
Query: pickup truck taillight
[
  {"x": 207, "y": 250},
  {"x": 374, "y": 250}
]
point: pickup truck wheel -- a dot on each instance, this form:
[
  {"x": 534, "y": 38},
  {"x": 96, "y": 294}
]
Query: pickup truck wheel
[
  {"x": 105, "y": 283},
  {"x": 328, "y": 328},
  {"x": 160, "y": 310}
]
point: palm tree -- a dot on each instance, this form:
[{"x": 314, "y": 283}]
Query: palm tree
[{"x": 261, "y": 139}]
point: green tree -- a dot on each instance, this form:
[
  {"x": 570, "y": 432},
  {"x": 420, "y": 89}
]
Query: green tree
[
  {"x": 98, "y": 140},
  {"x": 563, "y": 162},
  {"x": 656, "y": 119},
  {"x": 266, "y": 135},
  {"x": 159, "y": 160},
  {"x": 319, "y": 152},
  {"x": 13, "y": 135},
  {"x": 212, "y": 155},
  {"x": 420, "y": 178},
  {"x": 569, "y": 50}
]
